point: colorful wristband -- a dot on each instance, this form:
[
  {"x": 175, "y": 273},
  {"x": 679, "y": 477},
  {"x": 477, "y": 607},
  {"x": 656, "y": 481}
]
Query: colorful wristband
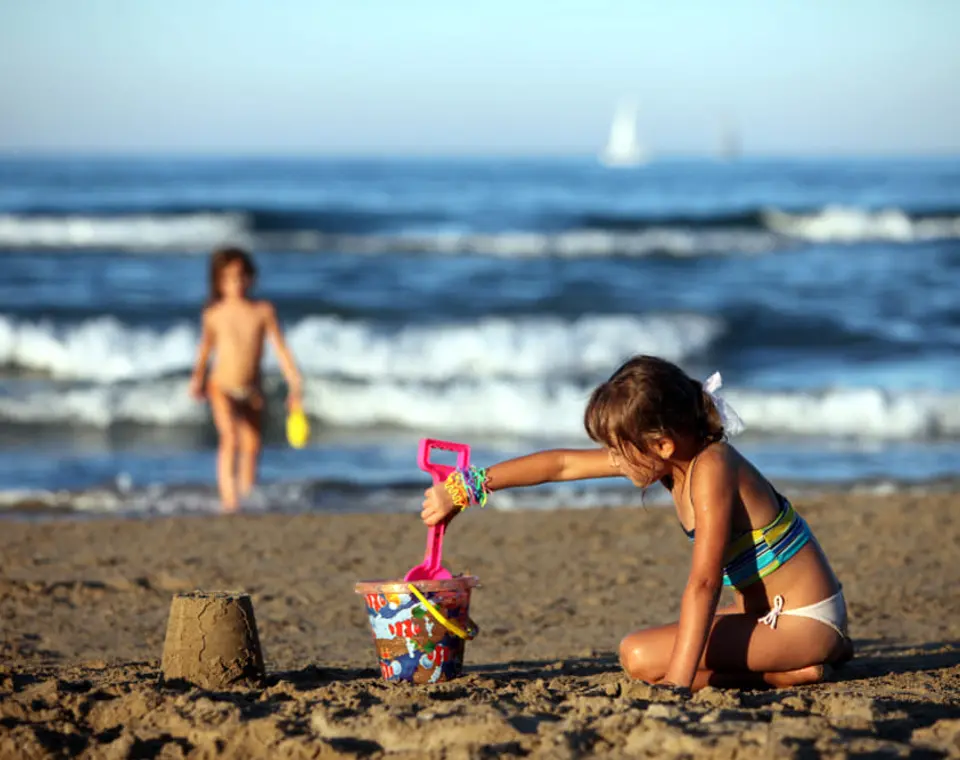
[{"x": 467, "y": 487}]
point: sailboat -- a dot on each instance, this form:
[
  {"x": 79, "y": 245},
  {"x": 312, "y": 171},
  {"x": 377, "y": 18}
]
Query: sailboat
[{"x": 623, "y": 148}]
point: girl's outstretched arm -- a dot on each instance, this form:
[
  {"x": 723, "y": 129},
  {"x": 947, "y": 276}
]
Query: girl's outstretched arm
[
  {"x": 550, "y": 466},
  {"x": 203, "y": 357},
  {"x": 713, "y": 493},
  {"x": 287, "y": 365}
]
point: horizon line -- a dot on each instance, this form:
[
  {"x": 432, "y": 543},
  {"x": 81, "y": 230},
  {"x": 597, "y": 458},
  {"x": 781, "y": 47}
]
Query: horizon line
[{"x": 465, "y": 155}]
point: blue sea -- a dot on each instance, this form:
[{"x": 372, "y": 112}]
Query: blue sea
[{"x": 477, "y": 300}]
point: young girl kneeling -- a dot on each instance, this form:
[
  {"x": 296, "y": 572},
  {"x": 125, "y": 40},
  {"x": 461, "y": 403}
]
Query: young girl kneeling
[{"x": 655, "y": 423}]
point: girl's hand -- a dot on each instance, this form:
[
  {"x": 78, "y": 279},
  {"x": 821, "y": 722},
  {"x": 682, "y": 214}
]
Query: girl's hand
[
  {"x": 196, "y": 388},
  {"x": 294, "y": 396},
  {"x": 437, "y": 506}
]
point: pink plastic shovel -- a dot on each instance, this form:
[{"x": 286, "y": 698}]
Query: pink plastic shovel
[{"x": 431, "y": 569}]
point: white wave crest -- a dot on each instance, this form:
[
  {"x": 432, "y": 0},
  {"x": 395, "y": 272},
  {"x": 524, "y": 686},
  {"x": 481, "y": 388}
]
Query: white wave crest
[
  {"x": 105, "y": 350},
  {"x": 851, "y": 412},
  {"x": 837, "y": 224},
  {"x": 145, "y": 232},
  {"x": 155, "y": 403},
  {"x": 202, "y": 231},
  {"x": 544, "y": 409},
  {"x": 523, "y": 408},
  {"x": 496, "y": 347},
  {"x": 99, "y": 349},
  {"x": 571, "y": 244}
]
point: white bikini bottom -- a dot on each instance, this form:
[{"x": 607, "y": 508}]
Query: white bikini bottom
[{"x": 831, "y": 612}]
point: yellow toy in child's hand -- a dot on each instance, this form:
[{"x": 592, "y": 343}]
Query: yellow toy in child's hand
[{"x": 298, "y": 429}]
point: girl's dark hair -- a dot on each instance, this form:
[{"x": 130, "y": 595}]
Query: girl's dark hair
[
  {"x": 220, "y": 260},
  {"x": 648, "y": 397}
]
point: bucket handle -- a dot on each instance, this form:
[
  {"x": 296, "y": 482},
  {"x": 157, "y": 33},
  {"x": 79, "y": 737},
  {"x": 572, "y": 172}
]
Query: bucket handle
[{"x": 472, "y": 628}]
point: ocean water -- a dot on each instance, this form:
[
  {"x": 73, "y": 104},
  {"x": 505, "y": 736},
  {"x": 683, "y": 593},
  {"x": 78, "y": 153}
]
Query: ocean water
[{"x": 474, "y": 300}]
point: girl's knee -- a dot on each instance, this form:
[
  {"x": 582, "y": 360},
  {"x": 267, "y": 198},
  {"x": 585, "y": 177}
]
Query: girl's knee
[
  {"x": 228, "y": 443},
  {"x": 250, "y": 447},
  {"x": 641, "y": 658},
  {"x": 249, "y": 438}
]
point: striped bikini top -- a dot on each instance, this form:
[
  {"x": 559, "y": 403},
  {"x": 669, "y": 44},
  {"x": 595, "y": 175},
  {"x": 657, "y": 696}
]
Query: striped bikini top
[{"x": 757, "y": 553}]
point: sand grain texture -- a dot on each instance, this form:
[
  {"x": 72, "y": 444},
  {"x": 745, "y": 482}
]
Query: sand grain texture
[{"x": 84, "y": 610}]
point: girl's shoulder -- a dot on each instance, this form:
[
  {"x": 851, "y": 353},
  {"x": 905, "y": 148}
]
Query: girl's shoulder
[
  {"x": 210, "y": 311},
  {"x": 718, "y": 456},
  {"x": 724, "y": 476},
  {"x": 715, "y": 472},
  {"x": 264, "y": 307}
]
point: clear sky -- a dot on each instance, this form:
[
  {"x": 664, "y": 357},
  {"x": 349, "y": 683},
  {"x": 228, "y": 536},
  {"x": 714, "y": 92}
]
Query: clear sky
[{"x": 499, "y": 76}]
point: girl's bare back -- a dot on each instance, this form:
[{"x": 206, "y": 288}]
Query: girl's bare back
[{"x": 808, "y": 576}]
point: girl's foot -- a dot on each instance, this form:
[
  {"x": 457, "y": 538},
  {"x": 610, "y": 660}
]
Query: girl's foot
[
  {"x": 779, "y": 680},
  {"x": 799, "y": 677},
  {"x": 846, "y": 652}
]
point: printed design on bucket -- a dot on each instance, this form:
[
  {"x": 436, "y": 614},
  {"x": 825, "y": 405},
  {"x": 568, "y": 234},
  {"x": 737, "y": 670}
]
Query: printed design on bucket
[{"x": 411, "y": 644}]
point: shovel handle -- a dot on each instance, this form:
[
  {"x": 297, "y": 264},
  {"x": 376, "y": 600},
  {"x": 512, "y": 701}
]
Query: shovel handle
[{"x": 441, "y": 472}]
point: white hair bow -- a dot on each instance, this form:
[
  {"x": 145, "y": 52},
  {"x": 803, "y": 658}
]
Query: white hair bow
[{"x": 732, "y": 424}]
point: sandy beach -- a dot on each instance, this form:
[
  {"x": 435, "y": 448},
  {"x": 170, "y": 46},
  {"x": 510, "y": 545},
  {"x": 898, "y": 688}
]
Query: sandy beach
[{"x": 84, "y": 606}]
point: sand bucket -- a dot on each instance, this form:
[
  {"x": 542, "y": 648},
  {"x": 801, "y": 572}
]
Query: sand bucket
[{"x": 420, "y": 629}]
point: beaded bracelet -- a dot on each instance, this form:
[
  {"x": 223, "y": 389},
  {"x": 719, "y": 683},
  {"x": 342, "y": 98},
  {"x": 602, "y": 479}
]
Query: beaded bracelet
[{"x": 467, "y": 487}]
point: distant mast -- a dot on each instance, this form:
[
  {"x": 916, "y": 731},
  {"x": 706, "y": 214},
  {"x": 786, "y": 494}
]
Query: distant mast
[
  {"x": 623, "y": 149},
  {"x": 729, "y": 143}
]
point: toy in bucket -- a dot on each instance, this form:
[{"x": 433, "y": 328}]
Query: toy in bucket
[
  {"x": 421, "y": 624},
  {"x": 431, "y": 569}
]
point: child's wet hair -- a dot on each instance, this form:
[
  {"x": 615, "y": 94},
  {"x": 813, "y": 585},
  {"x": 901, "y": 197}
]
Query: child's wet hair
[
  {"x": 648, "y": 397},
  {"x": 220, "y": 260}
]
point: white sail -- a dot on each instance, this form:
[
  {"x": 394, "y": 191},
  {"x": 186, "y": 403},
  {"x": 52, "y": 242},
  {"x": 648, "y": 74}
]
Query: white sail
[{"x": 623, "y": 148}]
